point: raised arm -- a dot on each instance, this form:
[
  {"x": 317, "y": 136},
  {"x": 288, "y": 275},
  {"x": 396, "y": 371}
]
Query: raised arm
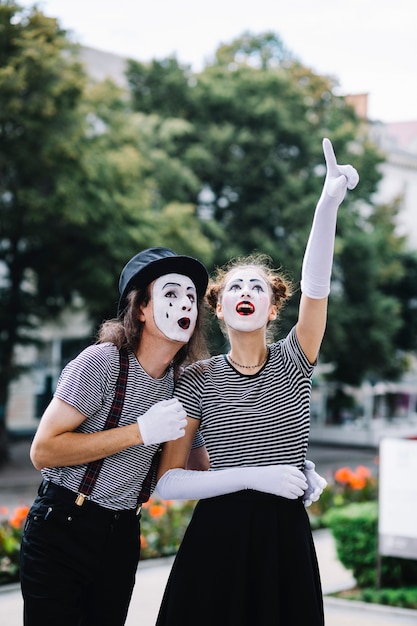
[{"x": 318, "y": 257}]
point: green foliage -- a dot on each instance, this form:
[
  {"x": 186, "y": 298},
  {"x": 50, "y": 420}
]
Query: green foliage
[
  {"x": 261, "y": 51},
  {"x": 404, "y": 291},
  {"x": 41, "y": 85},
  {"x": 132, "y": 195},
  {"x": 404, "y": 597},
  {"x": 354, "y": 528},
  {"x": 164, "y": 83},
  {"x": 366, "y": 300}
]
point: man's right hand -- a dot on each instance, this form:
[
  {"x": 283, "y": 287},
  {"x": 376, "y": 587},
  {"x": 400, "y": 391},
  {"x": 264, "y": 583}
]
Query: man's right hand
[{"x": 164, "y": 421}]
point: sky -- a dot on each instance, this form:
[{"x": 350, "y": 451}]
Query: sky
[{"x": 368, "y": 46}]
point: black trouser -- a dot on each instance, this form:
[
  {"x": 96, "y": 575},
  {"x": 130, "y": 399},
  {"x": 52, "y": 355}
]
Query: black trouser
[{"x": 77, "y": 564}]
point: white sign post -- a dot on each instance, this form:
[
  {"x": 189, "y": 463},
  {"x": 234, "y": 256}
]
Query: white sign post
[{"x": 397, "y": 518}]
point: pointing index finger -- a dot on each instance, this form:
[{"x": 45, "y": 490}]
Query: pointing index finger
[{"x": 329, "y": 155}]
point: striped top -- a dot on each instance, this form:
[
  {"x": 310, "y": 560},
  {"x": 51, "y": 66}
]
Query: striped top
[
  {"x": 88, "y": 384},
  {"x": 258, "y": 419}
]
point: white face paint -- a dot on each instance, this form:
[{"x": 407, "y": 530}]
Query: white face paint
[
  {"x": 246, "y": 300},
  {"x": 174, "y": 299}
]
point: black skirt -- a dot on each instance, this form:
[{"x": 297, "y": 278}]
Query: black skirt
[{"x": 247, "y": 559}]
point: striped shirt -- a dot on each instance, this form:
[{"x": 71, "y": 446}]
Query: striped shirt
[
  {"x": 259, "y": 419},
  {"x": 88, "y": 384}
]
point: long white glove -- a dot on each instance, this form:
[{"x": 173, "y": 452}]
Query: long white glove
[
  {"x": 315, "y": 483},
  {"x": 280, "y": 480},
  {"x": 318, "y": 257},
  {"x": 164, "y": 421}
]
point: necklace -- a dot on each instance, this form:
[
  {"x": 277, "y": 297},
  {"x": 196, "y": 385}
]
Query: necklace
[{"x": 248, "y": 367}]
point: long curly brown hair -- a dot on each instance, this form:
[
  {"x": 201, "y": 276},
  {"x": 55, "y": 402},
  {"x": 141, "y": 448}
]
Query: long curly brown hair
[
  {"x": 126, "y": 330},
  {"x": 280, "y": 285}
]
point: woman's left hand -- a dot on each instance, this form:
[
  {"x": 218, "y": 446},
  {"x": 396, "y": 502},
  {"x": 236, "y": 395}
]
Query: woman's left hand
[{"x": 316, "y": 484}]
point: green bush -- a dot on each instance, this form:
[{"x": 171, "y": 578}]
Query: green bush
[
  {"x": 355, "y": 529},
  {"x": 404, "y": 597}
]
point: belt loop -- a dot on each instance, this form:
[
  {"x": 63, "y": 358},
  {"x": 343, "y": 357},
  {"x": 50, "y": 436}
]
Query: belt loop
[{"x": 43, "y": 487}]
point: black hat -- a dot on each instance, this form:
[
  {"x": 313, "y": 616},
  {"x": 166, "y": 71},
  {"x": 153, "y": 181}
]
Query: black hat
[{"x": 152, "y": 263}]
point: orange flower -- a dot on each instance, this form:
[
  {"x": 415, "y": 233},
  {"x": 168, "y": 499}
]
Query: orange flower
[
  {"x": 343, "y": 475},
  {"x": 156, "y": 510},
  {"x": 19, "y": 516},
  {"x": 357, "y": 482},
  {"x": 143, "y": 542},
  {"x": 363, "y": 472}
]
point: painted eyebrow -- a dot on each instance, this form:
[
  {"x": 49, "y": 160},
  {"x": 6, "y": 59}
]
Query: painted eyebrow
[
  {"x": 251, "y": 280},
  {"x": 177, "y": 285}
]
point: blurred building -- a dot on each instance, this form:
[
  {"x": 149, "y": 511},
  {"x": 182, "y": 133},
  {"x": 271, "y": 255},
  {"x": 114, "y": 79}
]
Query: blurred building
[{"x": 398, "y": 142}]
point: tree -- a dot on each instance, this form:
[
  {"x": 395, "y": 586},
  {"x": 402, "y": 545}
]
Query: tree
[
  {"x": 83, "y": 185},
  {"x": 39, "y": 127},
  {"x": 256, "y": 121},
  {"x": 362, "y": 342},
  {"x": 405, "y": 291},
  {"x": 130, "y": 195},
  {"x": 164, "y": 83}
]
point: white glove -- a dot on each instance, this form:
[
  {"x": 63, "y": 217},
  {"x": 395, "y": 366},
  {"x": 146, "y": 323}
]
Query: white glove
[
  {"x": 164, "y": 421},
  {"x": 315, "y": 482},
  {"x": 280, "y": 480},
  {"x": 318, "y": 257}
]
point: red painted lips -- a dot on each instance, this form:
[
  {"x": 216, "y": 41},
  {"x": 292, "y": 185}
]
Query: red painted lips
[
  {"x": 184, "y": 323},
  {"x": 245, "y": 308}
]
